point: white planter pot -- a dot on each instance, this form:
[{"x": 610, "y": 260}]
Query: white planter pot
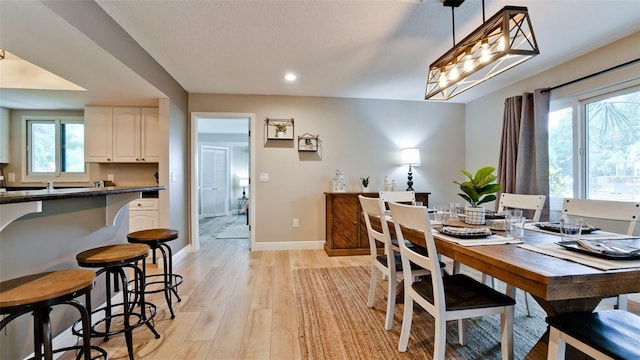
[
  {"x": 365, "y": 189},
  {"x": 280, "y": 134},
  {"x": 474, "y": 215}
]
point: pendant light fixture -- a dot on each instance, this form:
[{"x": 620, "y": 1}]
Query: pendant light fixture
[{"x": 500, "y": 43}]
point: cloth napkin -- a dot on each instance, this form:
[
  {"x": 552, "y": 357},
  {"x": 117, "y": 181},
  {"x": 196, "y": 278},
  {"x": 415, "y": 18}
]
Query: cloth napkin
[{"x": 490, "y": 240}]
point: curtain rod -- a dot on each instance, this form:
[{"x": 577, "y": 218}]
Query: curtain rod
[{"x": 592, "y": 75}]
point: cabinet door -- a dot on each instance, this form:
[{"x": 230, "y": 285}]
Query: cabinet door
[
  {"x": 345, "y": 222},
  {"x": 4, "y": 136},
  {"x": 142, "y": 220},
  {"x": 98, "y": 130},
  {"x": 126, "y": 134},
  {"x": 150, "y": 132}
]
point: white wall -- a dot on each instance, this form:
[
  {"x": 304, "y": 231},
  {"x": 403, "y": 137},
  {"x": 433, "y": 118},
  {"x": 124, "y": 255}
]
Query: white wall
[{"x": 359, "y": 137}]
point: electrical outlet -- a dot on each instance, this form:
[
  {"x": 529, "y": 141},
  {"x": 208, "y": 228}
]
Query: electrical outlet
[
  {"x": 110, "y": 177},
  {"x": 296, "y": 222},
  {"x": 264, "y": 177}
]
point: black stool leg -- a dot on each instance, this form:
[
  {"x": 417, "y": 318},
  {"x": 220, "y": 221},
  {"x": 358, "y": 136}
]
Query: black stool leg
[
  {"x": 167, "y": 278},
  {"x": 140, "y": 290}
]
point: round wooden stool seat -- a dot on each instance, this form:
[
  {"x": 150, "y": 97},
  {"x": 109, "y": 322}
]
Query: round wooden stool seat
[
  {"x": 152, "y": 235},
  {"x": 40, "y": 288},
  {"x": 119, "y": 262},
  {"x": 37, "y": 293},
  {"x": 112, "y": 255},
  {"x": 166, "y": 282}
]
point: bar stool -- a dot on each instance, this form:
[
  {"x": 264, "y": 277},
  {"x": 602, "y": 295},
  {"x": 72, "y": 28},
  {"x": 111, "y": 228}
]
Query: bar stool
[
  {"x": 134, "y": 310},
  {"x": 37, "y": 293},
  {"x": 168, "y": 282}
]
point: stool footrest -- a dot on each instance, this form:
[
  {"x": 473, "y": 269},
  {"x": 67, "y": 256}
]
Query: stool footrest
[{"x": 139, "y": 318}]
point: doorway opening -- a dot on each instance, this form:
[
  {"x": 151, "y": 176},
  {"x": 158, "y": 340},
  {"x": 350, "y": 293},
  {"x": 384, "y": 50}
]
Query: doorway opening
[{"x": 221, "y": 168}]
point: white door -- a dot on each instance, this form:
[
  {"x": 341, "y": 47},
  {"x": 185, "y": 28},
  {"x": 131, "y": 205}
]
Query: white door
[{"x": 213, "y": 181}]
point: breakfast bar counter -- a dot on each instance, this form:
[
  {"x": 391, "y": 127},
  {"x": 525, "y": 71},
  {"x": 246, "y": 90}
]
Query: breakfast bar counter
[{"x": 43, "y": 230}]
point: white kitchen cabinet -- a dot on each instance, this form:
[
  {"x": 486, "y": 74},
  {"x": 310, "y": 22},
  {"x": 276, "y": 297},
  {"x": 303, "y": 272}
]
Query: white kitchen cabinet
[
  {"x": 143, "y": 214},
  {"x": 4, "y": 136},
  {"x": 98, "y": 134},
  {"x": 121, "y": 134}
]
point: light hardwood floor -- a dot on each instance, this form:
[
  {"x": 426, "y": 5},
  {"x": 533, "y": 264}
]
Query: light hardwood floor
[{"x": 236, "y": 304}]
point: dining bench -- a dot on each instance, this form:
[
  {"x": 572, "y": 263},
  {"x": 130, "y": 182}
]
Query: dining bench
[{"x": 609, "y": 334}]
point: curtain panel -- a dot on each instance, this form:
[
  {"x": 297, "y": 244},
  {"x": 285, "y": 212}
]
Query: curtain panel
[{"x": 523, "y": 166}]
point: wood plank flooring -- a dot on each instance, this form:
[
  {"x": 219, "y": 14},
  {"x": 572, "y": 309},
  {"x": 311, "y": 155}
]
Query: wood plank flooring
[{"x": 236, "y": 304}]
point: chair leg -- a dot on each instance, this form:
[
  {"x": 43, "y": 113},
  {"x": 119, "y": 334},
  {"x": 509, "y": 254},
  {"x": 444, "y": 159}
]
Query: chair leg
[
  {"x": 506, "y": 335},
  {"x": 526, "y": 302},
  {"x": 557, "y": 346},
  {"x": 462, "y": 331},
  {"x": 391, "y": 301},
  {"x": 372, "y": 286},
  {"x": 622, "y": 302},
  {"x": 440, "y": 339},
  {"x": 407, "y": 317}
]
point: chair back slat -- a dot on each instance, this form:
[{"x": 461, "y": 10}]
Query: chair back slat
[
  {"x": 524, "y": 202},
  {"x": 604, "y": 209},
  {"x": 398, "y": 196}
]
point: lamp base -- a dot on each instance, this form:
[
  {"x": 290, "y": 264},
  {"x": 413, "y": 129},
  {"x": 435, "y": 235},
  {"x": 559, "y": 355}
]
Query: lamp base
[{"x": 410, "y": 180}]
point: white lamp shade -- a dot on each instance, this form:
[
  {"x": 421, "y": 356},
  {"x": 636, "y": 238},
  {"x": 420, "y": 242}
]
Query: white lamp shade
[
  {"x": 244, "y": 182},
  {"x": 410, "y": 157}
]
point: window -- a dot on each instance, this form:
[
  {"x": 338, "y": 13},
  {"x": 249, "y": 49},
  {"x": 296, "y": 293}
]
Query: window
[
  {"x": 54, "y": 149},
  {"x": 594, "y": 147}
]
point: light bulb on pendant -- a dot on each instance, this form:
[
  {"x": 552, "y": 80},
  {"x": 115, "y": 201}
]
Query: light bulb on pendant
[
  {"x": 484, "y": 53},
  {"x": 454, "y": 74},
  {"x": 467, "y": 63}
]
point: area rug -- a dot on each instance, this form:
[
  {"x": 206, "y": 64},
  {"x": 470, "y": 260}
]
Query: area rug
[
  {"x": 335, "y": 323},
  {"x": 234, "y": 231}
]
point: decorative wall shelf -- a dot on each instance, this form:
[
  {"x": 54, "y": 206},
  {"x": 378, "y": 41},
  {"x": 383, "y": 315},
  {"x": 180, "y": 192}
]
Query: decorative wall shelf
[
  {"x": 279, "y": 129},
  {"x": 308, "y": 142}
]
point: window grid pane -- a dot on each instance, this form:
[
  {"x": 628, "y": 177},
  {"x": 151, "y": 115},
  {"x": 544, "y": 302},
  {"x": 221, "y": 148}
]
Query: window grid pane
[
  {"x": 613, "y": 147},
  {"x": 561, "y": 153},
  {"x": 43, "y": 145}
]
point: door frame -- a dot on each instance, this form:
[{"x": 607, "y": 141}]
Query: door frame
[{"x": 194, "y": 228}]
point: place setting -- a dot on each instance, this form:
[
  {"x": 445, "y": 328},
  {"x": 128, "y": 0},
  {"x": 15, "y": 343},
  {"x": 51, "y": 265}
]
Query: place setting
[{"x": 608, "y": 251}]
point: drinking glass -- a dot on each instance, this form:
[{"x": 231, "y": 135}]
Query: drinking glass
[
  {"x": 514, "y": 225},
  {"x": 570, "y": 229}
]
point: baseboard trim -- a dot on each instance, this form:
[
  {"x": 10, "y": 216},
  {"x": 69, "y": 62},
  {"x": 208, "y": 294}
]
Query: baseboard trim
[{"x": 288, "y": 245}]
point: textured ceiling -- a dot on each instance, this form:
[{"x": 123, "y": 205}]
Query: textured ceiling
[{"x": 359, "y": 49}]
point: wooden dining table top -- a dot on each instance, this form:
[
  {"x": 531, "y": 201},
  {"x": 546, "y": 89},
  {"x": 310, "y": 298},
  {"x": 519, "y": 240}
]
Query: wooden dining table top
[{"x": 558, "y": 285}]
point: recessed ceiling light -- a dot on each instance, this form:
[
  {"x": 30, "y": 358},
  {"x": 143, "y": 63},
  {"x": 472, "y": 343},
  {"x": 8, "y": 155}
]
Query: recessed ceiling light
[{"x": 290, "y": 77}]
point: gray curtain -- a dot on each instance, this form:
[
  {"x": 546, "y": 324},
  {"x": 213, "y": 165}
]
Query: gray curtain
[{"x": 523, "y": 167}]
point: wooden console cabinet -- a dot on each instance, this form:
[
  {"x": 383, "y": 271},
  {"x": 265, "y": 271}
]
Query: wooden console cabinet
[{"x": 346, "y": 231}]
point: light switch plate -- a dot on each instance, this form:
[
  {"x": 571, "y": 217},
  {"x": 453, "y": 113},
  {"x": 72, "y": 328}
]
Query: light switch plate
[{"x": 264, "y": 177}]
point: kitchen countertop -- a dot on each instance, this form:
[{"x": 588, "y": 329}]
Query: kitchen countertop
[{"x": 19, "y": 196}]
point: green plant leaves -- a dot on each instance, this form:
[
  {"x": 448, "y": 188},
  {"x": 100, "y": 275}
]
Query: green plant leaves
[{"x": 480, "y": 188}]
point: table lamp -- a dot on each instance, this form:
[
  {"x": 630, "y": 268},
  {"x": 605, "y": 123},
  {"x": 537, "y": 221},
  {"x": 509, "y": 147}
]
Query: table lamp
[
  {"x": 410, "y": 157},
  {"x": 244, "y": 183}
]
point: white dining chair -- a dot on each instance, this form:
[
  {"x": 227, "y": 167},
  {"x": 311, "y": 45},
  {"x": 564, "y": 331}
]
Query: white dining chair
[
  {"x": 607, "y": 213},
  {"x": 453, "y": 297},
  {"x": 533, "y": 203},
  {"x": 388, "y": 263}
]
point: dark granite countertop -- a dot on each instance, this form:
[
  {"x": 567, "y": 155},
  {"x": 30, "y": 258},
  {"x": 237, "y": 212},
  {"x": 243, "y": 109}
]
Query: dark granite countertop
[{"x": 65, "y": 193}]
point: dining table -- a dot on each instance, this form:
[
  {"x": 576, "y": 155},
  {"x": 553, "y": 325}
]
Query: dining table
[{"x": 559, "y": 285}]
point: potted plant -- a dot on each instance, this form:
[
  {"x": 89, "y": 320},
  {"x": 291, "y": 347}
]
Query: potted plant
[
  {"x": 281, "y": 129},
  {"x": 365, "y": 184},
  {"x": 479, "y": 189}
]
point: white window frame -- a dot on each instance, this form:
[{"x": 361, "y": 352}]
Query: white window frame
[
  {"x": 578, "y": 103},
  {"x": 58, "y": 176}
]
